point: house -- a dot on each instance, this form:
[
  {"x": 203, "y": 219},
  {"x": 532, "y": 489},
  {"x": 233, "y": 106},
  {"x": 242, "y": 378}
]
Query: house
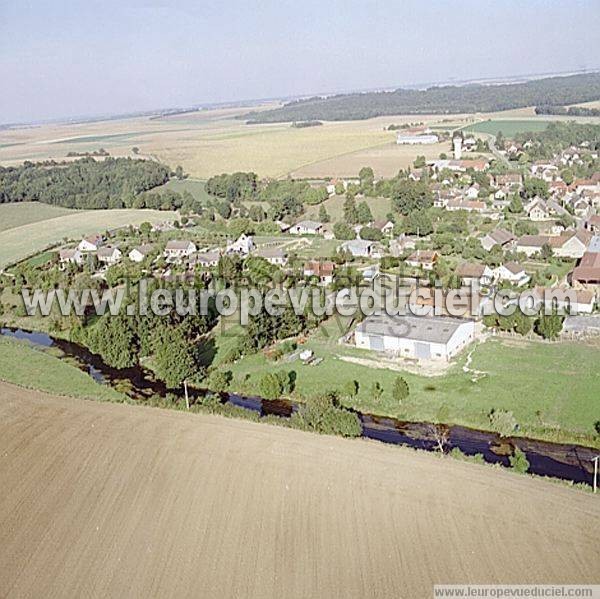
[
  {"x": 571, "y": 244},
  {"x": 109, "y": 255},
  {"x": 243, "y": 245},
  {"x": 358, "y": 247},
  {"x": 594, "y": 246},
  {"x": 275, "y": 256},
  {"x": 501, "y": 237},
  {"x": 306, "y": 227},
  {"x": 91, "y": 243},
  {"x": 72, "y": 256},
  {"x": 207, "y": 259},
  {"x": 141, "y": 252},
  {"x": 581, "y": 325},
  {"x": 507, "y": 180},
  {"x": 468, "y": 205},
  {"x": 177, "y": 250},
  {"x": 424, "y": 259},
  {"x": 385, "y": 226},
  {"x": 537, "y": 210},
  {"x": 323, "y": 270},
  {"x": 572, "y": 301},
  {"x": 587, "y": 272},
  {"x": 512, "y": 273},
  {"x": 416, "y": 337},
  {"x": 532, "y": 244},
  {"x": 470, "y": 272}
]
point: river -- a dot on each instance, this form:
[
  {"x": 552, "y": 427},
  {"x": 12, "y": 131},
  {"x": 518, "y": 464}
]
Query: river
[{"x": 565, "y": 461}]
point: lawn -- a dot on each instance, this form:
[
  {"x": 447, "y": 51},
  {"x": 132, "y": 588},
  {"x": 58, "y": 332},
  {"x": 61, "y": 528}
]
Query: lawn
[
  {"x": 22, "y": 364},
  {"x": 552, "y": 389},
  {"x": 509, "y": 128},
  {"x": 24, "y": 213},
  {"x": 25, "y": 240}
]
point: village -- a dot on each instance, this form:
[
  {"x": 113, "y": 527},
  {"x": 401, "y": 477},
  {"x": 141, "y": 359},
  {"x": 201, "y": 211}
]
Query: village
[{"x": 523, "y": 231}]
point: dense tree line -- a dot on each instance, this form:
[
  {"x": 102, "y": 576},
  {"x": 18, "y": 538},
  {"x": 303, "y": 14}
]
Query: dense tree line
[
  {"x": 559, "y": 136},
  {"x": 570, "y": 111},
  {"x": 437, "y": 100},
  {"x": 86, "y": 183}
]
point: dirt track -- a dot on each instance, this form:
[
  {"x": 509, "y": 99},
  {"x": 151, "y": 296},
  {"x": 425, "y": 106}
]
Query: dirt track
[{"x": 120, "y": 501}]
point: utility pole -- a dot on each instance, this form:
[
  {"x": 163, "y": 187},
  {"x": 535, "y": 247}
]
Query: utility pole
[
  {"x": 595, "y": 460},
  {"x": 187, "y": 399}
]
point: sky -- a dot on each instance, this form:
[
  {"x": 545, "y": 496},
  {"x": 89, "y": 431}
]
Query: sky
[{"x": 65, "y": 59}]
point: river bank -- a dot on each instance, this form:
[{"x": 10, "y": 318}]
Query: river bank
[{"x": 570, "y": 462}]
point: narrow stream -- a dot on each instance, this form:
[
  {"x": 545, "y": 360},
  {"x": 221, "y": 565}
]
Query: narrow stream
[{"x": 564, "y": 461}]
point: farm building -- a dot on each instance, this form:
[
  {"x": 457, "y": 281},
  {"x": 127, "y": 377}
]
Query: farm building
[
  {"x": 411, "y": 140},
  {"x": 306, "y": 227},
  {"x": 420, "y": 337}
]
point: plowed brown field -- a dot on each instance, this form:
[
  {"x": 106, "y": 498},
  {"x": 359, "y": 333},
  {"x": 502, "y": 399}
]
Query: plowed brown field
[{"x": 106, "y": 500}]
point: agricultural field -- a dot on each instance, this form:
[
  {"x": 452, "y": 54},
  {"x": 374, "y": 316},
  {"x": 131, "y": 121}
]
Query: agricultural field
[
  {"x": 211, "y": 142},
  {"x": 25, "y": 213},
  {"x": 509, "y": 128},
  {"x": 534, "y": 393},
  {"x": 22, "y": 241},
  {"x": 245, "y": 509}
]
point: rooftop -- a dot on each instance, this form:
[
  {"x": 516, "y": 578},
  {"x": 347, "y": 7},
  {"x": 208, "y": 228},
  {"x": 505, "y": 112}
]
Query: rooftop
[{"x": 431, "y": 329}]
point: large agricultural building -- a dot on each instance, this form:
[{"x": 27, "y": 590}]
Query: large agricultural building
[{"x": 419, "y": 337}]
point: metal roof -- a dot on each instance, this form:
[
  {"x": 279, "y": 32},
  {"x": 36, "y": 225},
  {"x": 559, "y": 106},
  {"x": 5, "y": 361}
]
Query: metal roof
[{"x": 431, "y": 329}]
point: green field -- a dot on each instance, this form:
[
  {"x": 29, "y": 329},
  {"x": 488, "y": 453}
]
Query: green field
[
  {"x": 194, "y": 186},
  {"x": 22, "y": 364},
  {"x": 509, "y": 128},
  {"x": 24, "y": 213},
  {"x": 380, "y": 207},
  {"x": 552, "y": 389},
  {"x": 25, "y": 240}
]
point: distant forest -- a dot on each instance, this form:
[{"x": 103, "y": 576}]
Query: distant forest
[
  {"x": 85, "y": 183},
  {"x": 553, "y": 91}
]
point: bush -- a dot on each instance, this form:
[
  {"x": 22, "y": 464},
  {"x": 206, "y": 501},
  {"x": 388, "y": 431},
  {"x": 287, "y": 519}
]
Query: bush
[
  {"x": 400, "y": 390},
  {"x": 518, "y": 461},
  {"x": 324, "y": 415}
]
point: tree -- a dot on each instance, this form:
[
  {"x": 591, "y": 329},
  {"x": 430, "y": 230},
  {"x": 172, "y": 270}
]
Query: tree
[
  {"x": 523, "y": 324},
  {"x": 518, "y": 461},
  {"x": 546, "y": 252},
  {"x": 351, "y": 388},
  {"x": 400, "y": 390},
  {"x": 567, "y": 176},
  {"x": 173, "y": 357},
  {"x": 219, "y": 380},
  {"x": 270, "y": 386},
  {"x": 408, "y": 196},
  {"x": 350, "y": 211},
  {"x": 549, "y": 326},
  {"x": 339, "y": 188},
  {"x": 363, "y": 213},
  {"x": 376, "y": 390},
  {"x": 535, "y": 187},
  {"x": 371, "y": 234},
  {"x": 114, "y": 338},
  {"x": 418, "y": 223},
  {"x": 343, "y": 231},
  {"x": 256, "y": 213},
  {"x": 366, "y": 177},
  {"x": 135, "y": 150},
  {"x": 323, "y": 214},
  {"x": 516, "y": 205},
  {"x": 420, "y": 162}
]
